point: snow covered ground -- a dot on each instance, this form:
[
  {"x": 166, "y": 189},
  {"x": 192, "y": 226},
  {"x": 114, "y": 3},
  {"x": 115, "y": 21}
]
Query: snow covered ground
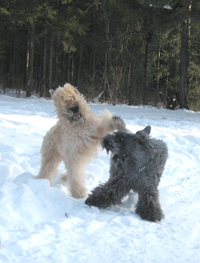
[{"x": 39, "y": 223}]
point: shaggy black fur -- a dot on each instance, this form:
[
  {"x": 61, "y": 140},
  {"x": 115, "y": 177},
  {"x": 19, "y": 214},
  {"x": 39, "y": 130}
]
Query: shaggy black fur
[{"x": 137, "y": 163}]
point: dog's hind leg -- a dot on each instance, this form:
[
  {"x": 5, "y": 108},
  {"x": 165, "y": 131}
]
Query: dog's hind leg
[
  {"x": 75, "y": 179},
  {"x": 109, "y": 193},
  {"x": 49, "y": 164},
  {"x": 148, "y": 206}
]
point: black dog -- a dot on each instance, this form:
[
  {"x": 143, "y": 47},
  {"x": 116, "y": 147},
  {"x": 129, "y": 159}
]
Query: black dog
[{"x": 137, "y": 163}]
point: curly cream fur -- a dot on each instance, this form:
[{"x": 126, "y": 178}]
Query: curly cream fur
[{"x": 75, "y": 138}]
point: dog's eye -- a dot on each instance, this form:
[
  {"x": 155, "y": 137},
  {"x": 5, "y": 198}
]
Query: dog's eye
[{"x": 115, "y": 156}]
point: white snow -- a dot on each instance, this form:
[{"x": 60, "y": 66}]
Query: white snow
[{"x": 40, "y": 223}]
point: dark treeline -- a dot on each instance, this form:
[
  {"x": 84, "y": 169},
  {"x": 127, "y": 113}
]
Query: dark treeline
[{"x": 136, "y": 51}]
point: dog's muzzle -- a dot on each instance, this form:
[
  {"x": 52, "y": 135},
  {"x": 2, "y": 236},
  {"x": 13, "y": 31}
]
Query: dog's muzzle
[
  {"x": 76, "y": 114},
  {"x": 74, "y": 108}
]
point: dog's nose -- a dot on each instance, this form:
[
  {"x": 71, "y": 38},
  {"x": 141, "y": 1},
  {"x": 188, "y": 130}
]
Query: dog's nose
[{"x": 74, "y": 108}]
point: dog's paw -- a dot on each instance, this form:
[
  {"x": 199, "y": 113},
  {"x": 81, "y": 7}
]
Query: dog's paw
[
  {"x": 78, "y": 191},
  {"x": 108, "y": 143},
  {"x": 92, "y": 201},
  {"x": 118, "y": 123},
  {"x": 97, "y": 201},
  {"x": 154, "y": 214},
  {"x": 88, "y": 201}
]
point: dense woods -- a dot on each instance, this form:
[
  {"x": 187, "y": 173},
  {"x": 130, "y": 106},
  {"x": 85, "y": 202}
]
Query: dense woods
[{"x": 134, "y": 51}]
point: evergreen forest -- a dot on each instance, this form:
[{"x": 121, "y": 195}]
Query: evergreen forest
[{"x": 137, "y": 52}]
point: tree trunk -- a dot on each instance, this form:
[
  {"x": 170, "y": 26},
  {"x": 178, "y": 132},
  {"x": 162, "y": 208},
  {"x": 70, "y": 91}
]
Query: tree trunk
[
  {"x": 50, "y": 61},
  {"x": 68, "y": 68},
  {"x": 79, "y": 66},
  {"x": 94, "y": 53},
  {"x": 72, "y": 69},
  {"x": 158, "y": 77},
  {"x": 107, "y": 38},
  {"x": 147, "y": 67},
  {"x": 44, "y": 92},
  {"x": 184, "y": 65},
  {"x": 11, "y": 63},
  {"x": 30, "y": 56},
  {"x": 93, "y": 67}
]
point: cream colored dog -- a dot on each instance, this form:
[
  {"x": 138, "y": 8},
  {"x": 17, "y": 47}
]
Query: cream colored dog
[{"x": 75, "y": 138}]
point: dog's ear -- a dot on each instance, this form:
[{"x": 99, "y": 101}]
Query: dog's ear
[
  {"x": 107, "y": 142},
  {"x": 76, "y": 90},
  {"x": 51, "y": 91},
  {"x": 146, "y": 130},
  {"x": 143, "y": 135}
]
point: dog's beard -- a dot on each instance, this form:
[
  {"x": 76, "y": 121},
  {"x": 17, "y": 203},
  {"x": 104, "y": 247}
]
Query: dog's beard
[
  {"x": 76, "y": 118},
  {"x": 118, "y": 158}
]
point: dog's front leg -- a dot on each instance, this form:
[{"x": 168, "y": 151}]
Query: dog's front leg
[
  {"x": 75, "y": 179},
  {"x": 50, "y": 159},
  {"x": 110, "y": 123},
  {"x": 148, "y": 206},
  {"x": 109, "y": 193}
]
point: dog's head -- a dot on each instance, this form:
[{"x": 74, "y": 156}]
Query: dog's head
[
  {"x": 69, "y": 103},
  {"x": 122, "y": 140},
  {"x": 127, "y": 146}
]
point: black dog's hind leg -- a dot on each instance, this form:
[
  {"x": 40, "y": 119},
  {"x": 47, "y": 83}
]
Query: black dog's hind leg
[
  {"x": 148, "y": 206},
  {"x": 109, "y": 193}
]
